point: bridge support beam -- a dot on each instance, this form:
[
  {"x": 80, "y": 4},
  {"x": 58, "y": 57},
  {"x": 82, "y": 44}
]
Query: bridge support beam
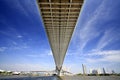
[{"x": 58, "y": 70}]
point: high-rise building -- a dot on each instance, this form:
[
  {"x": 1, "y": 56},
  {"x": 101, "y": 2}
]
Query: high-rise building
[
  {"x": 90, "y": 71},
  {"x": 99, "y": 71},
  {"x": 113, "y": 72},
  {"x": 94, "y": 71},
  {"x": 104, "y": 71},
  {"x": 84, "y": 69}
]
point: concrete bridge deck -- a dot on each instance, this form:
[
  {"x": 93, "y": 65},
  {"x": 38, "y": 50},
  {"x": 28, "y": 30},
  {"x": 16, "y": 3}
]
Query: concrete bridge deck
[{"x": 59, "y": 18}]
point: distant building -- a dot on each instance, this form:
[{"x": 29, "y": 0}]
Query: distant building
[
  {"x": 99, "y": 71},
  {"x": 2, "y": 70},
  {"x": 90, "y": 71},
  {"x": 15, "y": 73},
  {"x": 113, "y": 72},
  {"x": 104, "y": 72},
  {"x": 94, "y": 71},
  {"x": 84, "y": 69}
]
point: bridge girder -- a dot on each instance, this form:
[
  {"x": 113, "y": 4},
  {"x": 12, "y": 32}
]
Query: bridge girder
[{"x": 59, "y": 18}]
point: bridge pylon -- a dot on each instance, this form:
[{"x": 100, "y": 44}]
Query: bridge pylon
[{"x": 58, "y": 70}]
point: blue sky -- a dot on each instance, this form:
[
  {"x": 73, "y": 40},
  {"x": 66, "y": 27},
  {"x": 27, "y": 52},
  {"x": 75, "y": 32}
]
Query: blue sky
[{"x": 95, "y": 42}]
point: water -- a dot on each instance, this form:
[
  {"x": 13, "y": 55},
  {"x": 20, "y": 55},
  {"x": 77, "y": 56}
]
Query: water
[
  {"x": 30, "y": 78},
  {"x": 63, "y": 78},
  {"x": 91, "y": 77}
]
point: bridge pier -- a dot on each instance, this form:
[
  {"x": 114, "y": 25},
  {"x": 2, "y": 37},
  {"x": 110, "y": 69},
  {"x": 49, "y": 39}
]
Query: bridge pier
[{"x": 58, "y": 70}]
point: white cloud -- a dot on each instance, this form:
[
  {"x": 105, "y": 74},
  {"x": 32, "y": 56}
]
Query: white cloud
[
  {"x": 25, "y": 7},
  {"x": 17, "y": 6},
  {"x": 14, "y": 43},
  {"x": 112, "y": 58},
  {"x": 44, "y": 53},
  {"x": 11, "y": 32},
  {"x": 107, "y": 52},
  {"x": 25, "y": 67},
  {"x": 19, "y": 36},
  {"x": 38, "y": 55},
  {"x": 2, "y": 49},
  {"x": 34, "y": 55},
  {"x": 109, "y": 36},
  {"x": 50, "y": 53},
  {"x": 18, "y": 47},
  {"x": 89, "y": 31},
  {"x": 106, "y": 56}
]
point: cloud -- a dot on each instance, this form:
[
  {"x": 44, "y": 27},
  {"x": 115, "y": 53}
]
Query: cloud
[
  {"x": 106, "y": 52},
  {"x": 25, "y": 7},
  {"x": 96, "y": 27},
  {"x": 14, "y": 43},
  {"x": 104, "y": 56},
  {"x": 11, "y": 32},
  {"x": 2, "y": 49},
  {"x": 24, "y": 67},
  {"x": 45, "y": 53},
  {"x": 110, "y": 35},
  {"x": 89, "y": 31},
  {"x": 19, "y": 36},
  {"x": 50, "y": 53},
  {"x": 16, "y": 5},
  {"x": 35, "y": 55}
]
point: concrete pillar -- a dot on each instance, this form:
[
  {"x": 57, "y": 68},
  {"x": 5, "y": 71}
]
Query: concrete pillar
[{"x": 58, "y": 70}]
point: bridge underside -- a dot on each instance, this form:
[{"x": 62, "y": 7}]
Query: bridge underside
[{"x": 59, "y": 17}]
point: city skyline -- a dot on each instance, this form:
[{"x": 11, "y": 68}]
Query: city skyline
[{"x": 95, "y": 42}]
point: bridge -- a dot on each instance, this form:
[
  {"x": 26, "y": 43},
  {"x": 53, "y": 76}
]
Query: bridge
[
  {"x": 63, "y": 72},
  {"x": 59, "y": 18}
]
